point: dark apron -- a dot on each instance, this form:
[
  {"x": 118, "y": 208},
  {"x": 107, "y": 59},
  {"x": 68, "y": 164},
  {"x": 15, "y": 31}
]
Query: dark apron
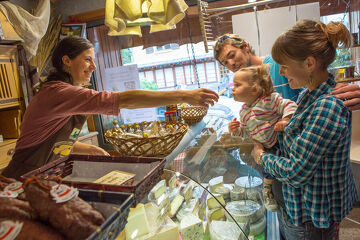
[{"x": 57, "y": 146}]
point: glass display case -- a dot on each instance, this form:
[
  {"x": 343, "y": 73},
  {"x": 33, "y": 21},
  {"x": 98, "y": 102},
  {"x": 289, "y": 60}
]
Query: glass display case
[{"x": 211, "y": 189}]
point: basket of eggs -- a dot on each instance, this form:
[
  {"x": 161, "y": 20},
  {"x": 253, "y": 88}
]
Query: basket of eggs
[
  {"x": 192, "y": 114},
  {"x": 147, "y": 139}
]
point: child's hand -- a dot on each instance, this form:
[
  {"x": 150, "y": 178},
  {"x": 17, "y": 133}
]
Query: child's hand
[
  {"x": 280, "y": 125},
  {"x": 234, "y": 126}
]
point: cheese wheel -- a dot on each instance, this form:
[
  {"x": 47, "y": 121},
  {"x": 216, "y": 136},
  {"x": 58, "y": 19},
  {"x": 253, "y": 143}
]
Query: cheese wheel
[{"x": 244, "y": 210}]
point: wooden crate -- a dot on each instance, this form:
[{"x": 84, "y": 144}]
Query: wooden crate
[
  {"x": 5, "y": 152},
  {"x": 10, "y": 87},
  {"x": 10, "y": 121}
]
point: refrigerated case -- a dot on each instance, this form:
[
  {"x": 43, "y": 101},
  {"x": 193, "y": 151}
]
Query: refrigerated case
[{"x": 219, "y": 166}]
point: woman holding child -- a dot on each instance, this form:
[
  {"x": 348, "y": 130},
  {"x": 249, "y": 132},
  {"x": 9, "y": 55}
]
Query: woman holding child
[{"x": 314, "y": 164}]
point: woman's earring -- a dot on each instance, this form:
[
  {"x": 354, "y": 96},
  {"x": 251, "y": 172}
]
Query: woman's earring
[{"x": 310, "y": 79}]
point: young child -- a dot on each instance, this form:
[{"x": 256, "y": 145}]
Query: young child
[{"x": 264, "y": 112}]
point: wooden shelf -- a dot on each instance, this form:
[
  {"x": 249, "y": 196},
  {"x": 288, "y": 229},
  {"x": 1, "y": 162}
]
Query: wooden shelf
[
  {"x": 356, "y": 45},
  {"x": 348, "y": 80},
  {"x": 7, "y": 142}
]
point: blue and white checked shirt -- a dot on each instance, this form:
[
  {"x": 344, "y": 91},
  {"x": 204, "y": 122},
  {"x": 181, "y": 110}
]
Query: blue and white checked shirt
[{"x": 314, "y": 166}]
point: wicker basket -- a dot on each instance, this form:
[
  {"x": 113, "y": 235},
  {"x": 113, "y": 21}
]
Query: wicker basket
[
  {"x": 193, "y": 114},
  {"x": 150, "y": 146}
]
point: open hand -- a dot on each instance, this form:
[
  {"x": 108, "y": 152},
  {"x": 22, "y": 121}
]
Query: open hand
[
  {"x": 202, "y": 97},
  {"x": 350, "y": 93}
]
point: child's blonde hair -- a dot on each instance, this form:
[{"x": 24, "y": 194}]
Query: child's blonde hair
[{"x": 260, "y": 78}]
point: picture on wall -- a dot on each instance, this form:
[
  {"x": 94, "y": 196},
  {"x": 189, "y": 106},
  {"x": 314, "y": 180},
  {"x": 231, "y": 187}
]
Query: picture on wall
[{"x": 72, "y": 29}]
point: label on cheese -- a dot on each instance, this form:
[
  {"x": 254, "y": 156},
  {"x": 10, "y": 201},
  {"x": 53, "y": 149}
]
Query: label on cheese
[
  {"x": 63, "y": 193},
  {"x": 15, "y": 187},
  {"x": 10, "y": 229},
  {"x": 115, "y": 177}
]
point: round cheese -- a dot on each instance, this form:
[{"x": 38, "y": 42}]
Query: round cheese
[
  {"x": 258, "y": 227},
  {"x": 224, "y": 191},
  {"x": 244, "y": 210}
]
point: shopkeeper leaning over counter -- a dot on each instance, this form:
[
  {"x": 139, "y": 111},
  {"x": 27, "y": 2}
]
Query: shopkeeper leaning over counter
[{"x": 55, "y": 116}]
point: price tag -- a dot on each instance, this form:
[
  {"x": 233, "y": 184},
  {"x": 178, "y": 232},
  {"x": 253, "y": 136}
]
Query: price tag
[
  {"x": 63, "y": 193},
  {"x": 9, "y": 229}
]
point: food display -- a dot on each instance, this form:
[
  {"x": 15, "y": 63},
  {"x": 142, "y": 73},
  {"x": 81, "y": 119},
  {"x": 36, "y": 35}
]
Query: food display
[
  {"x": 148, "y": 139},
  {"x": 50, "y": 210},
  {"x": 179, "y": 208}
]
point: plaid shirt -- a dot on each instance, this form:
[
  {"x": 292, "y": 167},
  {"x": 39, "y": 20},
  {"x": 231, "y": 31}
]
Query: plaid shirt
[{"x": 314, "y": 166}]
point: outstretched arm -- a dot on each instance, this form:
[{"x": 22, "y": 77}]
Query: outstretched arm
[
  {"x": 144, "y": 99},
  {"x": 349, "y": 93}
]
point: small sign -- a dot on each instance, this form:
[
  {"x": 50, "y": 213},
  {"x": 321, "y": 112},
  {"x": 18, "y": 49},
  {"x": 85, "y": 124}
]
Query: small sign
[{"x": 116, "y": 177}]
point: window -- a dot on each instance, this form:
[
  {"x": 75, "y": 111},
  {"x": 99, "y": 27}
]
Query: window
[{"x": 342, "y": 56}]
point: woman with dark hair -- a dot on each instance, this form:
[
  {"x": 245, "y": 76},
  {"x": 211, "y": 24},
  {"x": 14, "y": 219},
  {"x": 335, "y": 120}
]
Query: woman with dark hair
[
  {"x": 55, "y": 116},
  {"x": 314, "y": 165}
]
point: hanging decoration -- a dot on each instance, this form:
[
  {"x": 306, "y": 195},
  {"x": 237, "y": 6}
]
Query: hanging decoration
[{"x": 125, "y": 17}]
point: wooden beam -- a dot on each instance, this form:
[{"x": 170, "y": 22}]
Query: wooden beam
[{"x": 90, "y": 16}]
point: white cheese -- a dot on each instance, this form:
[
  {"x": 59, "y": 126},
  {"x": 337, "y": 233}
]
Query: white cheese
[
  {"x": 175, "y": 205},
  {"x": 172, "y": 182},
  {"x": 216, "y": 182},
  {"x": 157, "y": 191},
  {"x": 258, "y": 227},
  {"x": 237, "y": 194},
  {"x": 138, "y": 224},
  {"x": 188, "y": 208},
  {"x": 221, "y": 230},
  {"x": 191, "y": 228},
  {"x": 244, "y": 210},
  {"x": 224, "y": 191},
  {"x": 153, "y": 216},
  {"x": 215, "y": 214},
  {"x": 166, "y": 231},
  {"x": 188, "y": 191},
  {"x": 212, "y": 203}
]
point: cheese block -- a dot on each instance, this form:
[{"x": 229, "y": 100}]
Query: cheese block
[
  {"x": 237, "y": 194},
  {"x": 201, "y": 212},
  {"x": 168, "y": 230},
  {"x": 137, "y": 223},
  {"x": 157, "y": 191},
  {"x": 223, "y": 230},
  {"x": 198, "y": 192},
  {"x": 191, "y": 228},
  {"x": 172, "y": 182},
  {"x": 173, "y": 193},
  {"x": 188, "y": 191},
  {"x": 258, "y": 227},
  {"x": 215, "y": 214},
  {"x": 216, "y": 182},
  {"x": 212, "y": 203},
  {"x": 153, "y": 216},
  {"x": 164, "y": 204},
  {"x": 223, "y": 191},
  {"x": 206, "y": 225},
  {"x": 188, "y": 208},
  {"x": 175, "y": 205},
  {"x": 244, "y": 210}
]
